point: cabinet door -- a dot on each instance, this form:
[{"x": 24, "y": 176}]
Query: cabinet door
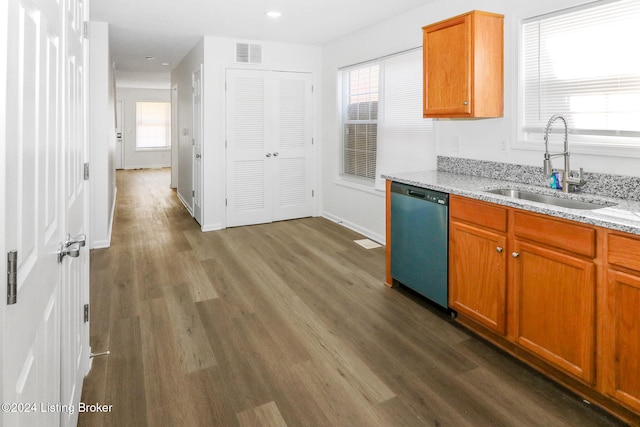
[
  {"x": 555, "y": 306},
  {"x": 447, "y": 63},
  {"x": 477, "y": 282},
  {"x": 622, "y": 342}
]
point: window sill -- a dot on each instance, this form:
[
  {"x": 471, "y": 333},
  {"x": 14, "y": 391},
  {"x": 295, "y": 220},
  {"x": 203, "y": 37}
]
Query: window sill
[
  {"x": 599, "y": 148},
  {"x": 147, "y": 150},
  {"x": 355, "y": 184}
]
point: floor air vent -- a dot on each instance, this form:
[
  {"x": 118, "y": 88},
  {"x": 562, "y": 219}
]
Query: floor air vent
[{"x": 248, "y": 53}]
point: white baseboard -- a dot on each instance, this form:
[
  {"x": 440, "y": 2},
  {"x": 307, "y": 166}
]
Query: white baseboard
[
  {"x": 212, "y": 227},
  {"x": 355, "y": 227},
  {"x": 130, "y": 167},
  {"x": 186, "y": 205}
]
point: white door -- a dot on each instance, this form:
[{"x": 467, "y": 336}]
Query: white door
[
  {"x": 293, "y": 147},
  {"x": 41, "y": 125},
  {"x": 75, "y": 271},
  {"x": 269, "y": 146},
  {"x": 119, "y": 157},
  {"x": 197, "y": 145}
]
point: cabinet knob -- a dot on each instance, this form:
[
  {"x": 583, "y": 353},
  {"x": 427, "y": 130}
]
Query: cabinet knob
[
  {"x": 515, "y": 254},
  {"x": 499, "y": 249}
]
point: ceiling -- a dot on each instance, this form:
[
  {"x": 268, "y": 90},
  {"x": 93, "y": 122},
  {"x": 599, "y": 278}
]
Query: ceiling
[{"x": 168, "y": 29}]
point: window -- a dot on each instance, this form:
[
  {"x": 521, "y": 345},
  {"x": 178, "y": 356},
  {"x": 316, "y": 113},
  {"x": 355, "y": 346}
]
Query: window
[
  {"x": 360, "y": 122},
  {"x": 153, "y": 125},
  {"x": 383, "y": 127},
  {"x": 582, "y": 62}
]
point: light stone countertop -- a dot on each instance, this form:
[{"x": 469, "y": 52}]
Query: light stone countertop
[{"x": 624, "y": 216}]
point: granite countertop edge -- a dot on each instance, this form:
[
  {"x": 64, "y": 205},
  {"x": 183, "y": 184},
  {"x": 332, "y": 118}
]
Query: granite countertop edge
[{"x": 624, "y": 216}]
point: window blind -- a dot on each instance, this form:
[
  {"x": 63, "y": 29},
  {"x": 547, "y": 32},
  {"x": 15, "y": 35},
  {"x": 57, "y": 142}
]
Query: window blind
[
  {"x": 582, "y": 62},
  {"x": 384, "y": 130},
  {"x": 153, "y": 125}
]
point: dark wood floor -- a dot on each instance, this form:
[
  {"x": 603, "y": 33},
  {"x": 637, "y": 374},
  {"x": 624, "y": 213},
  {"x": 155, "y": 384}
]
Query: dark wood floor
[{"x": 284, "y": 324}]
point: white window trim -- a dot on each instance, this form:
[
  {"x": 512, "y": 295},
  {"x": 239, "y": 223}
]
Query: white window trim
[{"x": 578, "y": 144}]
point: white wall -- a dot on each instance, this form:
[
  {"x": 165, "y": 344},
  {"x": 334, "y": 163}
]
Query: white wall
[
  {"x": 364, "y": 210},
  {"x": 137, "y": 159},
  {"x": 102, "y": 134},
  {"x": 219, "y": 54},
  {"x": 182, "y": 77}
]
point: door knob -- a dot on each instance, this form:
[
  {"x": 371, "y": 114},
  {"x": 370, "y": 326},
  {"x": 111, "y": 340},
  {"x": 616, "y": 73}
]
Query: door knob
[
  {"x": 80, "y": 239},
  {"x": 73, "y": 250}
]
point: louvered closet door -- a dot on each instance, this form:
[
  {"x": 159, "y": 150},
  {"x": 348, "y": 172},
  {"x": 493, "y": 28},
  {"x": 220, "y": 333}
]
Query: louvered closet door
[
  {"x": 269, "y": 146},
  {"x": 249, "y": 198},
  {"x": 293, "y": 144}
]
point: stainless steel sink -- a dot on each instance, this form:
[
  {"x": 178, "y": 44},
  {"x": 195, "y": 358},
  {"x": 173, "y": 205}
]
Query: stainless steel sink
[{"x": 548, "y": 199}]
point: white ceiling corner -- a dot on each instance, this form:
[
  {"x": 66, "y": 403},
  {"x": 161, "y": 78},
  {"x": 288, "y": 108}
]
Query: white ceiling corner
[{"x": 169, "y": 29}]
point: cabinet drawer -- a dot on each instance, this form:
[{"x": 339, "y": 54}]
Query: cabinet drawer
[
  {"x": 561, "y": 234},
  {"x": 623, "y": 251},
  {"x": 480, "y": 213}
]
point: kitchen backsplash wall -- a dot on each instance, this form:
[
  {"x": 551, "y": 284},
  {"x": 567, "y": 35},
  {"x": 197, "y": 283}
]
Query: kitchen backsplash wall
[{"x": 618, "y": 186}]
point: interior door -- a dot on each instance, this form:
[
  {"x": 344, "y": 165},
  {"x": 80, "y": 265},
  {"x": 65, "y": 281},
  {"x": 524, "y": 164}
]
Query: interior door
[
  {"x": 197, "y": 145},
  {"x": 119, "y": 157},
  {"x": 34, "y": 215},
  {"x": 293, "y": 146},
  {"x": 249, "y": 197},
  {"x": 75, "y": 271},
  {"x": 45, "y": 124},
  {"x": 269, "y": 146}
]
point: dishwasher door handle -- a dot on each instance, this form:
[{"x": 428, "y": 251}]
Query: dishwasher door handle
[{"x": 416, "y": 194}]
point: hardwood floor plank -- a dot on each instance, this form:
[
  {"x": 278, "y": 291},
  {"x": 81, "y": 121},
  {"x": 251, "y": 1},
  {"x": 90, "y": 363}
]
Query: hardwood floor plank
[
  {"x": 125, "y": 376},
  {"x": 263, "y": 415},
  {"x": 190, "y": 335}
]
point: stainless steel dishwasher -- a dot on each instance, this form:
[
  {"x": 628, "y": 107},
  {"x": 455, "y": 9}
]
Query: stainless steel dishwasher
[{"x": 419, "y": 240}]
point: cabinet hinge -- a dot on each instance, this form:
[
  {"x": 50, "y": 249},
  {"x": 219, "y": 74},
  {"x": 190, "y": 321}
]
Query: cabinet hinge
[
  {"x": 12, "y": 277},
  {"x": 85, "y": 29},
  {"x": 86, "y": 171},
  {"x": 313, "y": 141},
  {"x": 313, "y": 193},
  {"x": 86, "y": 313},
  {"x": 225, "y": 202}
]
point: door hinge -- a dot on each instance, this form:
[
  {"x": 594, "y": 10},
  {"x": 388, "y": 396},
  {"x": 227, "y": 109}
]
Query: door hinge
[
  {"x": 85, "y": 29},
  {"x": 86, "y": 313},
  {"x": 225, "y": 202},
  {"x": 313, "y": 193},
  {"x": 193, "y": 193},
  {"x": 12, "y": 277},
  {"x": 86, "y": 171},
  {"x": 313, "y": 141}
]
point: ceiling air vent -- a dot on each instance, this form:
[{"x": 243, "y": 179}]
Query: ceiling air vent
[{"x": 248, "y": 53}]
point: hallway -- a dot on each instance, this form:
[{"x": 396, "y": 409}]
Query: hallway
[{"x": 283, "y": 324}]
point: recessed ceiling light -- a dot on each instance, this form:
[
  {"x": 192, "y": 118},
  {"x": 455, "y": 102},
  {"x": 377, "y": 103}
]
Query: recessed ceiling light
[
  {"x": 274, "y": 14},
  {"x": 149, "y": 58},
  {"x": 165, "y": 63}
]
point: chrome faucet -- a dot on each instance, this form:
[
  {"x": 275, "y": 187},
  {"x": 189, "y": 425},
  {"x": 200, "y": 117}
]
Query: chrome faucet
[{"x": 569, "y": 182}]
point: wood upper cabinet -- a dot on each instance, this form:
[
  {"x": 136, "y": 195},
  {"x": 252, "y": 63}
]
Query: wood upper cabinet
[
  {"x": 464, "y": 67},
  {"x": 477, "y": 268},
  {"x": 621, "y": 343}
]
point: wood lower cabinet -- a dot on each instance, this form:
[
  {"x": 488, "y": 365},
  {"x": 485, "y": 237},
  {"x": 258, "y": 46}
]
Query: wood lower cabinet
[
  {"x": 560, "y": 295},
  {"x": 555, "y": 307},
  {"x": 621, "y": 342},
  {"x": 477, "y": 268}
]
